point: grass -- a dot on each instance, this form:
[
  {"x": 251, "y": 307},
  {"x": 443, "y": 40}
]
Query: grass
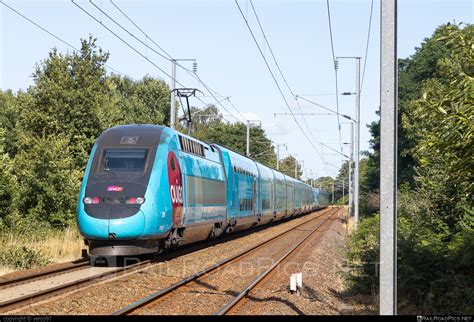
[{"x": 22, "y": 252}]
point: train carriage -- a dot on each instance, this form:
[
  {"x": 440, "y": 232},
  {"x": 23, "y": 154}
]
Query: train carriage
[
  {"x": 242, "y": 189},
  {"x": 149, "y": 187},
  {"x": 298, "y": 203},
  {"x": 265, "y": 195},
  {"x": 204, "y": 202},
  {"x": 290, "y": 196},
  {"x": 280, "y": 200}
]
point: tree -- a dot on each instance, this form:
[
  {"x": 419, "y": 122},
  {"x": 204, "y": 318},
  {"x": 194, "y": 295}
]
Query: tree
[
  {"x": 8, "y": 121},
  {"x": 139, "y": 102},
  {"x": 325, "y": 183},
  {"x": 49, "y": 180},
  {"x": 287, "y": 166},
  {"x": 212, "y": 129},
  {"x": 8, "y": 182},
  {"x": 435, "y": 206},
  {"x": 412, "y": 71},
  {"x": 67, "y": 99},
  {"x": 441, "y": 121},
  {"x": 47, "y": 132},
  {"x": 342, "y": 180}
]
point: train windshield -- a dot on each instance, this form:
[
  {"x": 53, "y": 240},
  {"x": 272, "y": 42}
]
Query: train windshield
[{"x": 131, "y": 160}]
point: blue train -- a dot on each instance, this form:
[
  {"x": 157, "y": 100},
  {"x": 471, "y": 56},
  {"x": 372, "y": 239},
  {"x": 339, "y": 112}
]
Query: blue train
[{"x": 148, "y": 187}]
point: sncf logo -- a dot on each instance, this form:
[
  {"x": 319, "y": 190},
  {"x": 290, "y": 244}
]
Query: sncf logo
[
  {"x": 176, "y": 194},
  {"x": 114, "y": 188}
]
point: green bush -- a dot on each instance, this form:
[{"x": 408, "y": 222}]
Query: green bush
[
  {"x": 22, "y": 257},
  {"x": 362, "y": 255},
  {"x": 433, "y": 266}
]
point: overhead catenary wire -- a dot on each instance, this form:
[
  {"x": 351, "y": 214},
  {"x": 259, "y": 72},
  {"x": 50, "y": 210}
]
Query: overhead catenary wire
[
  {"x": 125, "y": 42},
  {"x": 142, "y": 55},
  {"x": 279, "y": 69},
  {"x": 228, "y": 101},
  {"x": 367, "y": 44},
  {"x": 56, "y": 37},
  {"x": 335, "y": 71},
  {"x": 169, "y": 58},
  {"x": 127, "y": 31},
  {"x": 281, "y": 72},
  {"x": 270, "y": 48},
  {"x": 68, "y": 44},
  {"x": 144, "y": 33},
  {"x": 326, "y": 108},
  {"x": 276, "y": 82}
]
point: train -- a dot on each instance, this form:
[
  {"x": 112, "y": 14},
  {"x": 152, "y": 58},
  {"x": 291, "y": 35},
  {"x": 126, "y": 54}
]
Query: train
[{"x": 147, "y": 188}]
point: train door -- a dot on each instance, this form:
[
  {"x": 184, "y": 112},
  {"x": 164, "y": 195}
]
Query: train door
[
  {"x": 254, "y": 195},
  {"x": 272, "y": 197},
  {"x": 237, "y": 204}
]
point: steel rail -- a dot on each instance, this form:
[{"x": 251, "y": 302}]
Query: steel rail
[
  {"x": 252, "y": 285},
  {"x": 161, "y": 293},
  {"x": 56, "y": 290},
  {"x": 41, "y": 295},
  {"x": 76, "y": 265}
]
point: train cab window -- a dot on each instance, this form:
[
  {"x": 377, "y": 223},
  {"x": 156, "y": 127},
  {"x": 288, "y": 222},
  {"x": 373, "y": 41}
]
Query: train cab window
[{"x": 124, "y": 160}]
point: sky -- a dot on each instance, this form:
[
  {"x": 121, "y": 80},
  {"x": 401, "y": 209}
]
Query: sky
[{"x": 229, "y": 62}]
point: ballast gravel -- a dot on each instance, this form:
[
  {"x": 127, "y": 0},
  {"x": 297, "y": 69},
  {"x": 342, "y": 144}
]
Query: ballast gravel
[{"x": 321, "y": 280}]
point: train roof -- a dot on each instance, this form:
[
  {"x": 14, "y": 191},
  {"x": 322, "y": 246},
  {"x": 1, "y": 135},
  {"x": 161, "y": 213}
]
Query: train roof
[{"x": 132, "y": 134}]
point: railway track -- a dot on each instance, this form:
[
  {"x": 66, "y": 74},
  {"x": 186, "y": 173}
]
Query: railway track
[
  {"x": 41, "y": 286},
  {"x": 69, "y": 267},
  {"x": 240, "y": 298},
  {"x": 211, "y": 272}
]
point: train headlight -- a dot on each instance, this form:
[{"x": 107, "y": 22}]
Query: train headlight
[
  {"x": 135, "y": 201},
  {"x": 89, "y": 200}
]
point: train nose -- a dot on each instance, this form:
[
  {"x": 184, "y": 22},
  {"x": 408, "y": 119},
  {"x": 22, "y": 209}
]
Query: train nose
[{"x": 127, "y": 228}]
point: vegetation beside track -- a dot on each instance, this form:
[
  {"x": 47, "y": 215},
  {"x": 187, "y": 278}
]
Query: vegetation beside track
[
  {"x": 435, "y": 199},
  {"x": 25, "y": 248}
]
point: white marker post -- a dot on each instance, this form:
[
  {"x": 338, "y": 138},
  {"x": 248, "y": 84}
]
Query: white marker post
[{"x": 296, "y": 282}]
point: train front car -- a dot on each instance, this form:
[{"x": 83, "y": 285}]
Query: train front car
[{"x": 128, "y": 194}]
